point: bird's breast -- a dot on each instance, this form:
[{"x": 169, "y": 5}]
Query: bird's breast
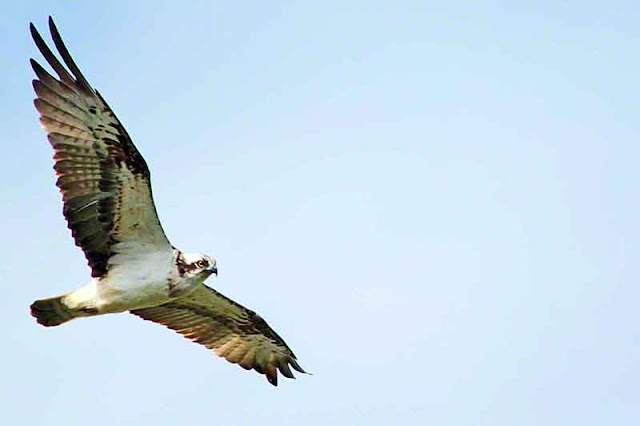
[{"x": 141, "y": 282}]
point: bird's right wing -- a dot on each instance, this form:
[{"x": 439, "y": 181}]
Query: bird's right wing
[{"x": 231, "y": 330}]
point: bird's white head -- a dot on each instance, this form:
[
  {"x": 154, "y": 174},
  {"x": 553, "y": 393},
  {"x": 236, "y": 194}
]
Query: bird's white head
[{"x": 195, "y": 264}]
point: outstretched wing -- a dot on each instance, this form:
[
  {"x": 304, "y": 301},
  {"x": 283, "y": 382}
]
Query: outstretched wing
[
  {"x": 105, "y": 182},
  {"x": 231, "y": 330}
]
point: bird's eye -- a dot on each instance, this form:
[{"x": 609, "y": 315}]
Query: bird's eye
[{"x": 201, "y": 263}]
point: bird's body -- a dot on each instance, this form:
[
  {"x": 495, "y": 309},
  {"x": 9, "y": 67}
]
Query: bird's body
[
  {"x": 108, "y": 204},
  {"x": 139, "y": 282},
  {"x": 135, "y": 280}
]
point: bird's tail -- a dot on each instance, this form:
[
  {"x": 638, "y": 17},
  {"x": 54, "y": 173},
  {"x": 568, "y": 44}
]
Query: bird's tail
[{"x": 51, "y": 312}]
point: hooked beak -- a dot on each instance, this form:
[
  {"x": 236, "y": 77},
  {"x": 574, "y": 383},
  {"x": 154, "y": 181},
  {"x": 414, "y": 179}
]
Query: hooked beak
[{"x": 213, "y": 269}]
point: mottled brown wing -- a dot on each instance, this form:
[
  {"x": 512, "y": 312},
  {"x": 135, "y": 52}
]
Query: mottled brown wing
[
  {"x": 234, "y": 332},
  {"x": 105, "y": 182}
]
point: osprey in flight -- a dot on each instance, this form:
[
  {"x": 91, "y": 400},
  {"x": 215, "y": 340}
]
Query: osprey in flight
[{"x": 106, "y": 191}]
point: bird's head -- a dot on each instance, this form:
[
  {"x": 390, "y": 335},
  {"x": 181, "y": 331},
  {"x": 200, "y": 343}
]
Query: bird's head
[{"x": 196, "y": 264}]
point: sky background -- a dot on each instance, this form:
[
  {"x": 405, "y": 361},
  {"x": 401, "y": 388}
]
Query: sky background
[{"x": 434, "y": 203}]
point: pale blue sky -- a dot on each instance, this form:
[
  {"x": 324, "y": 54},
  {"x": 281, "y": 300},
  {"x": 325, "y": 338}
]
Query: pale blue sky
[{"x": 434, "y": 203}]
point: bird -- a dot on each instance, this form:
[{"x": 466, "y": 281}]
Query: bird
[{"x": 108, "y": 205}]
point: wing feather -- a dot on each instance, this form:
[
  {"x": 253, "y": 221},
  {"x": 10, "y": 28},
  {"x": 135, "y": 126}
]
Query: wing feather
[
  {"x": 104, "y": 180},
  {"x": 233, "y": 332}
]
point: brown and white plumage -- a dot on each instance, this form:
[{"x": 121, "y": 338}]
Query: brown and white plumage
[
  {"x": 234, "y": 332},
  {"x": 105, "y": 182},
  {"x": 108, "y": 204}
]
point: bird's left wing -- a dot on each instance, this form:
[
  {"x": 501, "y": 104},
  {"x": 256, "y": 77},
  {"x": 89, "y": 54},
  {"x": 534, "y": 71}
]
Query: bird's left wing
[
  {"x": 234, "y": 332},
  {"x": 105, "y": 182}
]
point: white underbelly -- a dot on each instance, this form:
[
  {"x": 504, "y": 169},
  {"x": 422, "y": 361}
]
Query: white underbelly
[
  {"x": 117, "y": 298},
  {"x": 134, "y": 280},
  {"x": 137, "y": 284}
]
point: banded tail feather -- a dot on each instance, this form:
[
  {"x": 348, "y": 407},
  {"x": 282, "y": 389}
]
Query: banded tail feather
[{"x": 52, "y": 312}]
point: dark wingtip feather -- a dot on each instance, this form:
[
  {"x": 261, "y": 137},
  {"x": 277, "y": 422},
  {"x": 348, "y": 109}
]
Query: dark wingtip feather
[
  {"x": 37, "y": 68},
  {"x": 35, "y": 35},
  {"x": 273, "y": 379},
  {"x": 52, "y": 25},
  {"x": 283, "y": 366},
  {"x": 296, "y": 366},
  {"x": 43, "y": 74},
  {"x": 66, "y": 57},
  {"x": 50, "y": 57},
  {"x": 272, "y": 374}
]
